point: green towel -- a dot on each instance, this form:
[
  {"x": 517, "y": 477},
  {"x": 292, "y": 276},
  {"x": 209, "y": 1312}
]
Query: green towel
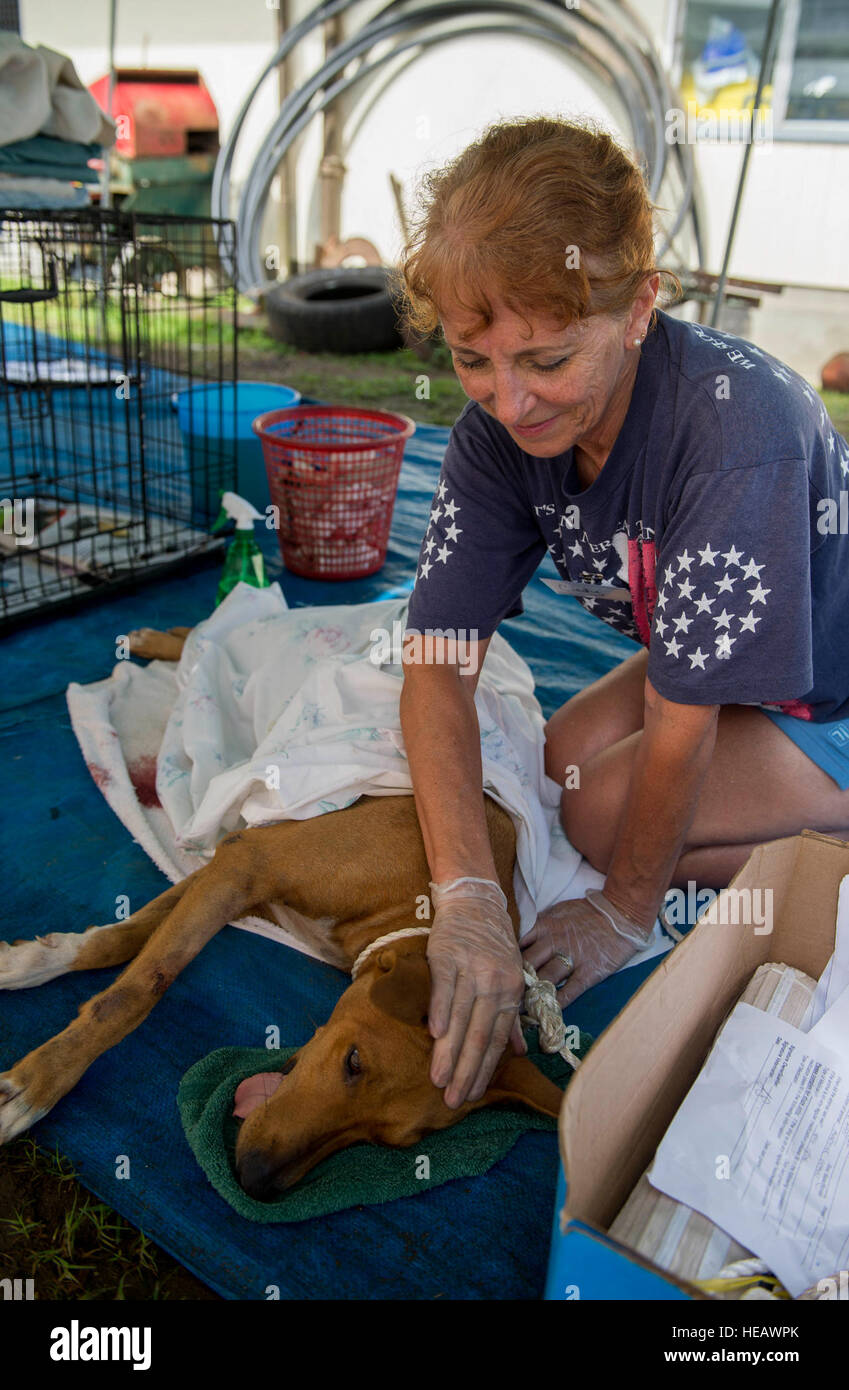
[{"x": 364, "y": 1174}]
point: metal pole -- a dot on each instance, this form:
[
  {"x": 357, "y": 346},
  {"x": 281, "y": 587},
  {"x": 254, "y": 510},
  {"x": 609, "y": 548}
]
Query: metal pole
[
  {"x": 105, "y": 190},
  {"x": 766, "y": 58},
  {"x": 287, "y": 223}
]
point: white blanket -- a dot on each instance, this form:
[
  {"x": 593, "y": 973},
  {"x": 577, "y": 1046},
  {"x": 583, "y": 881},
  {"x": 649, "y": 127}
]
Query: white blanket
[{"x": 276, "y": 713}]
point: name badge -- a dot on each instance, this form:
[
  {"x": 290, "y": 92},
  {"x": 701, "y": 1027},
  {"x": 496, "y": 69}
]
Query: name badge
[{"x": 580, "y": 588}]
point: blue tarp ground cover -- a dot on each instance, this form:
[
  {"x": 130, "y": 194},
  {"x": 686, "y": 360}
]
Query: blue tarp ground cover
[{"x": 67, "y": 860}]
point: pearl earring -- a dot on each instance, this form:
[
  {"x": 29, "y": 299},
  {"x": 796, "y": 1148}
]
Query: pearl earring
[{"x": 637, "y": 342}]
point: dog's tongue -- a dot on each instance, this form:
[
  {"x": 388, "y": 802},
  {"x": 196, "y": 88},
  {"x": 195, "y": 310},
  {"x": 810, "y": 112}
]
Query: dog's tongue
[{"x": 254, "y": 1090}]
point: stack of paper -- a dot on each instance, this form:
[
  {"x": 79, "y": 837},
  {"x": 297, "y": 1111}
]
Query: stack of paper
[{"x": 760, "y": 1145}]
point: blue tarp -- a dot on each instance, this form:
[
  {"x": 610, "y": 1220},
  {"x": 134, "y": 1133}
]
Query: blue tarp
[{"x": 68, "y": 860}]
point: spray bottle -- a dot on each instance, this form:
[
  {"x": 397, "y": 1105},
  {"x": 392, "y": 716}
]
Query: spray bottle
[{"x": 243, "y": 561}]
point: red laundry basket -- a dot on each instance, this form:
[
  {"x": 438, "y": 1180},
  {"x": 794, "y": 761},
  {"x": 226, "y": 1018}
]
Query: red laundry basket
[{"x": 333, "y": 475}]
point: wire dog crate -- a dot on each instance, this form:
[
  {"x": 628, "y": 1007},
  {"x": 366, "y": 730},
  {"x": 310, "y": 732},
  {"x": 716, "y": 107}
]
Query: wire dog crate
[{"x": 104, "y": 318}]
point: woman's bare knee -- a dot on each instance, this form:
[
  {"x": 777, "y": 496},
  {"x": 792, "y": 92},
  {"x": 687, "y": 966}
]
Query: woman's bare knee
[
  {"x": 566, "y": 745},
  {"x": 586, "y": 827},
  {"x": 600, "y": 715}
]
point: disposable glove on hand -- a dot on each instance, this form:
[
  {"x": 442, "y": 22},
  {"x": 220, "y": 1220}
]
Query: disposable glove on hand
[
  {"x": 591, "y": 933},
  {"x": 477, "y": 986}
]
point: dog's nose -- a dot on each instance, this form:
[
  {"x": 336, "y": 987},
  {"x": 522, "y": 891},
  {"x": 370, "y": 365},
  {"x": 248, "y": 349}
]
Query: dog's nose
[{"x": 256, "y": 1175}]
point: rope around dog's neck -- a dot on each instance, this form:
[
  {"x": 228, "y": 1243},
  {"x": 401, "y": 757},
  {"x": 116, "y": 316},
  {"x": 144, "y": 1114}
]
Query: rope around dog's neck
[
  {"x": 542, "y": 1010},
  {"x": 384, "y": 941}
]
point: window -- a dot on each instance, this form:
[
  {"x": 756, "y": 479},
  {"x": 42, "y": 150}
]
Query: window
[
  {"x": 718, "y": 53},
  {"x": 811, "y": 86}
]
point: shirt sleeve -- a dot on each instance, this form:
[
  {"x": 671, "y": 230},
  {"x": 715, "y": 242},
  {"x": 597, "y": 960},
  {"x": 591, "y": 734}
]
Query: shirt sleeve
[
  {"x": 482, "y": 543},
  {"x": 732, "y": 623}
]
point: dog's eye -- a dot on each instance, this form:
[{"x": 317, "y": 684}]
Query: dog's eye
[{"x": 352, "y": 1063}]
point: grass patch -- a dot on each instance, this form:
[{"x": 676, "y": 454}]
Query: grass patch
[
  {"x": 70, "y": 1244},
  {"x": 397, "y": 380},
  {"x": 837, "y": 405}
]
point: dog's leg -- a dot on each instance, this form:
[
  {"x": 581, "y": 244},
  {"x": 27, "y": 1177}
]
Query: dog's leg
[
  {"x": 221, "y": 892},
  {"x": 362, "y": 868},
  {"x": 152, "y": 645},
  {"x": 24, "y": 964}
]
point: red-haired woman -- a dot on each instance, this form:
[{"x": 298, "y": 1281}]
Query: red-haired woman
[{"x": 684, "y": 483}]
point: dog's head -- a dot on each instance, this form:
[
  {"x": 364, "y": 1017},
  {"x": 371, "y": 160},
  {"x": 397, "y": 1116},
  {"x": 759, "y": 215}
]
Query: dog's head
[{"x": 364, "y": 1076}]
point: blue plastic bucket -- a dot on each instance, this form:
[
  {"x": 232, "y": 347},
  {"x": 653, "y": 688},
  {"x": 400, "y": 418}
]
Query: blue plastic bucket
[{"x": 213, "y": 419}]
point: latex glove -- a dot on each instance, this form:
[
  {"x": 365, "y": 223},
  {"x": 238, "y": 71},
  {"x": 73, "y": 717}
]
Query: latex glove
[
  {"x": 477, "y": 986},
  {"x": 590, "y": 931}
]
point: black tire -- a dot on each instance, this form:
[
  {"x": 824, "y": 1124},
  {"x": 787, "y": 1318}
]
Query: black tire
[{"x": 347, "y": 309}]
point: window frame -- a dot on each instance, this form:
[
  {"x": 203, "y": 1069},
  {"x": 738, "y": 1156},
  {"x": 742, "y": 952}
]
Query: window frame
[{"x": 790, "y": 131}]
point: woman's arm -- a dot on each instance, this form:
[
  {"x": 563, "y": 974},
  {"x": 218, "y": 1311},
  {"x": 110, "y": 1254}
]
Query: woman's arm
[
  {"x": 476, "y": 967},
  {"x": 442, "y": 739},
  {"x": 674, "y": 755}
]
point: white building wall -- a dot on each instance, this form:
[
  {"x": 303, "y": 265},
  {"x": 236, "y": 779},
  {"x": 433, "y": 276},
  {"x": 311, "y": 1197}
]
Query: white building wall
[{"x": 795, "y": 221}]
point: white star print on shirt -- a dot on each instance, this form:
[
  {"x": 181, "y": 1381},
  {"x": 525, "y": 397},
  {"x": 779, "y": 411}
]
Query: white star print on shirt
[
  {"x": 752, "y": 571},
  {"x": 701, "y": 634},
  {"x": 451, "y": 533}
]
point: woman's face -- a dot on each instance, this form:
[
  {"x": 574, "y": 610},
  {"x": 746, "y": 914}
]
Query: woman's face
[{"x": 559, "y": 386}]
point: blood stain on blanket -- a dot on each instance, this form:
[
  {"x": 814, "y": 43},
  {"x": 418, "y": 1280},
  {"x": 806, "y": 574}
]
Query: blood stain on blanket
[
  {"x": 102, "y": 776},
  {"x": 143, "y": 777}
]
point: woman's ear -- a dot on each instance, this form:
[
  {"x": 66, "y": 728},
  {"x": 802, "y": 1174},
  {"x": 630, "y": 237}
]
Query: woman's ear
[
  {"x": 401, "y": 986},
  {"x": 642, "y": 310}
]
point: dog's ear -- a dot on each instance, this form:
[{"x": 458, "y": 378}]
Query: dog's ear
[
  {"x": 517, "y": 1079},
  {"x": 401, "y": 986}
]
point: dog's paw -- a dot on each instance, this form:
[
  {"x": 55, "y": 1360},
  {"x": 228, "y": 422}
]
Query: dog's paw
[
  {"x": 18, "y": 1108},
  {"x": 144, "y": 642},
  {"x": 151, "y": 645},
  {"x": 24, "y": 964}
]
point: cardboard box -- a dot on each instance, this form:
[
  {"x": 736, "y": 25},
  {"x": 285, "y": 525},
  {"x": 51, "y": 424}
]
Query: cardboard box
[{"x": 624, "y": 1096}]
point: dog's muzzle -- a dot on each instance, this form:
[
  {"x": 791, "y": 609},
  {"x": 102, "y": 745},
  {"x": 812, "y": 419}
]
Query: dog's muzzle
[{"x": 256, "y": 1176}]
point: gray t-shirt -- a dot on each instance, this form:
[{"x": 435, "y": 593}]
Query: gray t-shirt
[{"x": 717, "y": 522}]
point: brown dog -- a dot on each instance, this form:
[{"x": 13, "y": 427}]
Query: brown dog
[{"x": 352, "y": 876}]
